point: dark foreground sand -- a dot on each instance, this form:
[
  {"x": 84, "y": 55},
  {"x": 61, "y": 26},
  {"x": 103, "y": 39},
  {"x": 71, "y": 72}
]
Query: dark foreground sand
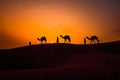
[{"x": 61, "y": 62}]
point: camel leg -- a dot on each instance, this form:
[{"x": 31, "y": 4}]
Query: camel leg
[
  {"x": 98, "y": 41},
  {"x": 64, "y": 41},
  {"x": 69, "y": 40},
  {"x": 91, "y": 42},
  {"x": 41, "y": 42},
  {"x": 94, "y": 41},
  {"x": 45, "y": 42}
]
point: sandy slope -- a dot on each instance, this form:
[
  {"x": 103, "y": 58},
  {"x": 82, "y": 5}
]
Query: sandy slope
[
  {"x": 100, "y": 66},
  {"x": 71, "y": 62}
]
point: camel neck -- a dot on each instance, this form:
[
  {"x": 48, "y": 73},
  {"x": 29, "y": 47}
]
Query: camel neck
[{"x": 89, "y": 38}]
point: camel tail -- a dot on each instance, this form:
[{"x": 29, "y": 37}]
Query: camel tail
[{"x": 70, "y": 40}]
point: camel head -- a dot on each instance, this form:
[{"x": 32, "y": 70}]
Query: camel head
[
  {"x": 38, "y": 39},
  {"x": 61, "y": 36}
]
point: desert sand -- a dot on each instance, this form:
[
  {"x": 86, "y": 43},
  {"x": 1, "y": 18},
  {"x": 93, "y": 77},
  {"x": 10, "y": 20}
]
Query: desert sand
[{"x": 61, "y": 62}]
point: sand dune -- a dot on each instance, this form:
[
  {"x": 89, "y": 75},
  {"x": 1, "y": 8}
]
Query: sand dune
[{"x": 61, "y": 62}]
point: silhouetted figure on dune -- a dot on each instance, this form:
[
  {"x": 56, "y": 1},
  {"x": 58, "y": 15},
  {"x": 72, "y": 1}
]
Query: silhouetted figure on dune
[
  {"x": 84, "y": 41},
  {"x": 57, "y": 41},
  {"x": 30, "y": 43},
  {"x": 66, "y": 37},
  {"x": 42, "y": 39},
  {"x": 92, "y": 39}
]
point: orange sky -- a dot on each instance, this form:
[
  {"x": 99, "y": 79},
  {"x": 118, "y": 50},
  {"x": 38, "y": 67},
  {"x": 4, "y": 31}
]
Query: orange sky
[{"x": 24, "y": 21}]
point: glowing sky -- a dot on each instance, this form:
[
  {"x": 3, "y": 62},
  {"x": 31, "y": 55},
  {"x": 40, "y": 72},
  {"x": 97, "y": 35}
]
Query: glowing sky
[{"x": 22, "y": 21}]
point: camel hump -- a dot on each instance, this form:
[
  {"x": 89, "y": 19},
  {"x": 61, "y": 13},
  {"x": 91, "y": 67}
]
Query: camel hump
[
  {"x": 94, "y": 37},
  {"x": 67, "y": 36},
  {"x": 43, "y": 38}
]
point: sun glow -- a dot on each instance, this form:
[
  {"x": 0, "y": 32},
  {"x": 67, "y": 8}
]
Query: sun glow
[{"x": 26, "y": 22}]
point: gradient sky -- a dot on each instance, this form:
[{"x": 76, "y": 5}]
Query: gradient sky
[{"x": 22, "y": 21}]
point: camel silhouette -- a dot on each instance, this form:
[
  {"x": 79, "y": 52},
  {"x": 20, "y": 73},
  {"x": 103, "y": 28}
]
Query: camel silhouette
[
  {"x": 66, "y": 37},
  {"x": 42, "y": 39},
  {"x": 92, "y": 39}
]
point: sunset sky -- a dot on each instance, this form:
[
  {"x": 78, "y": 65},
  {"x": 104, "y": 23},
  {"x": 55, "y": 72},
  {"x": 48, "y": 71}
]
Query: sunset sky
[{"x": 22, "y": 21}]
